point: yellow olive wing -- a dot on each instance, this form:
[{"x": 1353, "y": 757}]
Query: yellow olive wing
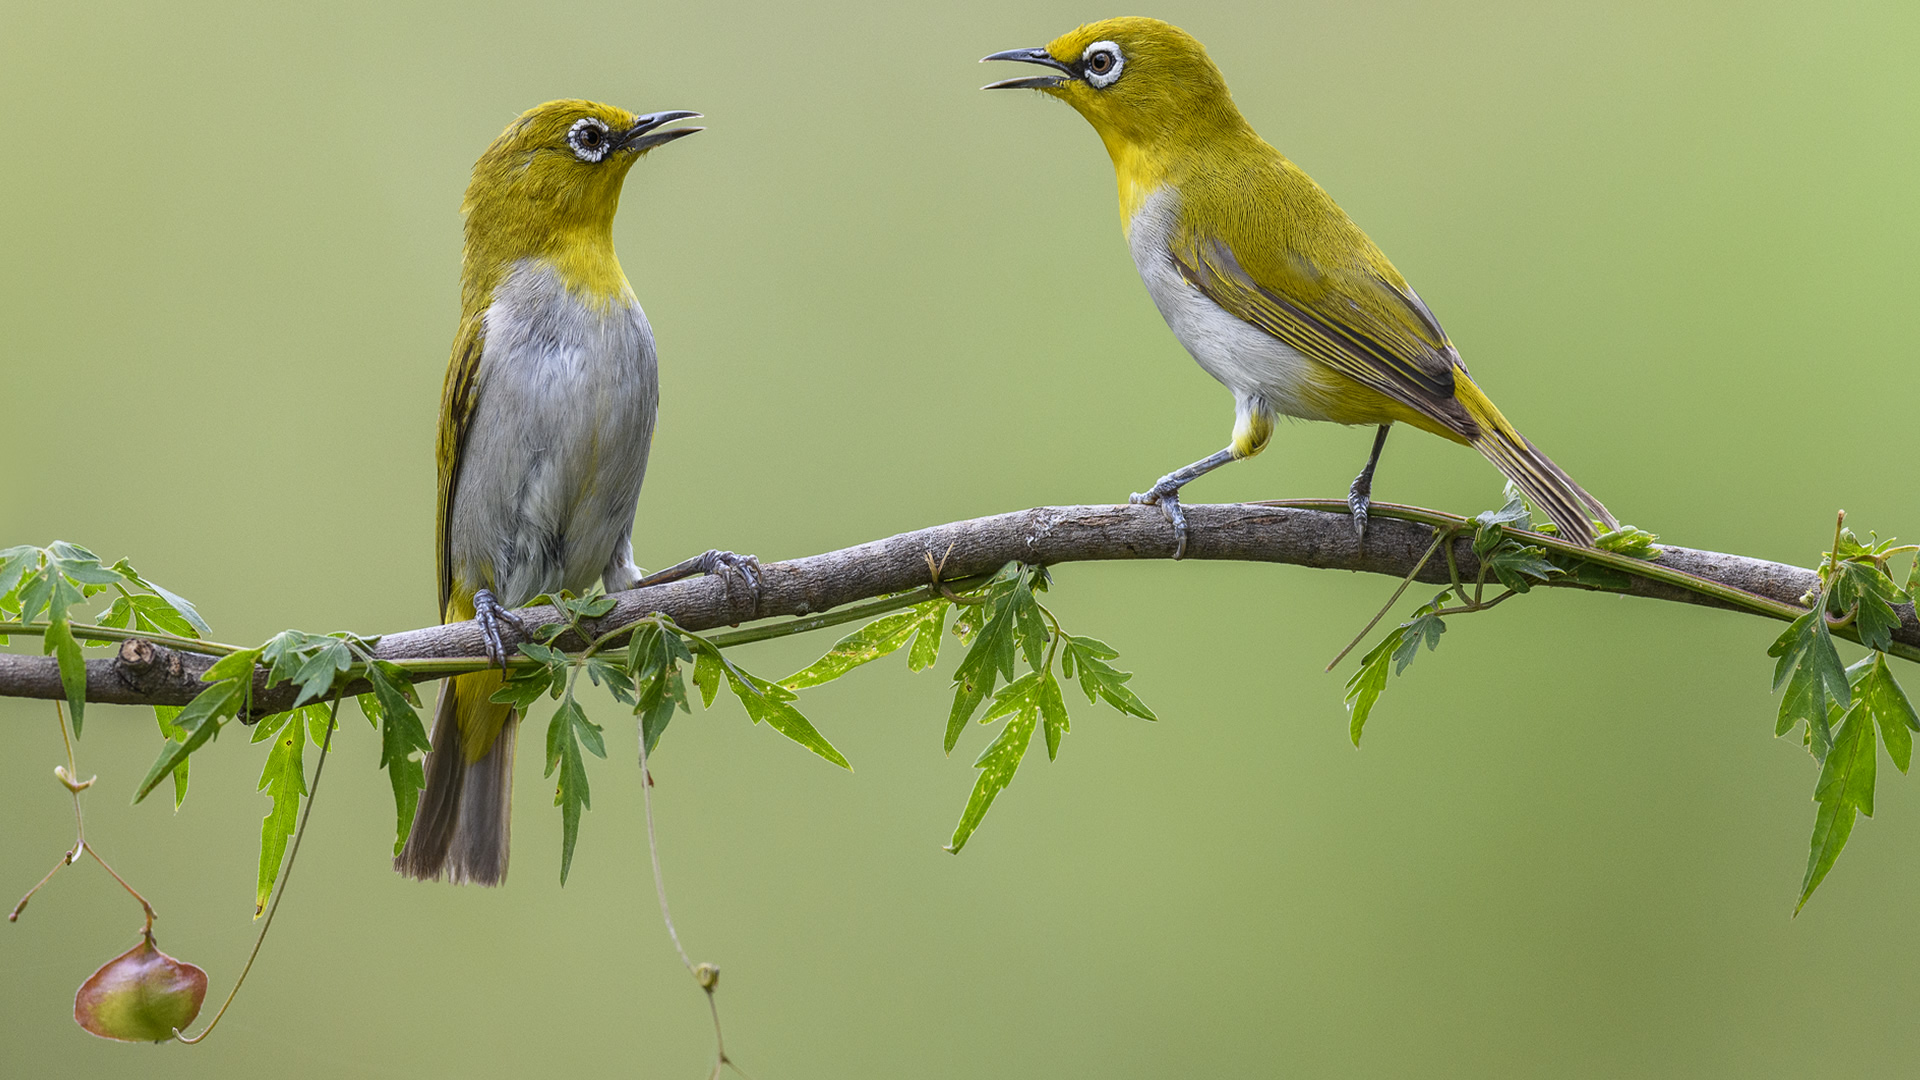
[
  {"x": 1352, "y": 318},
  {"x": 457, "y": 399}
]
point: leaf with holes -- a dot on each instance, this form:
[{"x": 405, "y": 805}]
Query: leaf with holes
[
  {"x": 1810, "y": 669},
  {"x": 1019, "y": 702},
  {"x": 865, "y": 645}
]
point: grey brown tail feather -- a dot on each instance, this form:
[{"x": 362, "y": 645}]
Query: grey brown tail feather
[
  {"x": 1545, "y": 485},
  {"x": 462, "y": 825}
]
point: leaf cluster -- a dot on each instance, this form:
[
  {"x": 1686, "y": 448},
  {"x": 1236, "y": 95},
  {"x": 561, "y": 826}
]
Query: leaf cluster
[
  {"x": 50, "y": 585},
  {"x": 1845, "y": 713}
]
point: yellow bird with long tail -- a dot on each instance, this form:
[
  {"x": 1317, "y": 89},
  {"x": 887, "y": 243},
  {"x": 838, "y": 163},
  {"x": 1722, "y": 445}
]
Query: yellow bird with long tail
[
  {"x": 546, "y": 418},
  {"x": 1268, "y": 283}
]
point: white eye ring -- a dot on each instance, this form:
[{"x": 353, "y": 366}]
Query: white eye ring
[
  {"x": 578, "y": 139},
  {"x": 1106, "y": 78}
]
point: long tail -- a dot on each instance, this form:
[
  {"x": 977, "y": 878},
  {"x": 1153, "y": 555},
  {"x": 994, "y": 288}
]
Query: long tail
[
  {"x": 1550, "y": 490},
  {"x": 463, "y": 823}
]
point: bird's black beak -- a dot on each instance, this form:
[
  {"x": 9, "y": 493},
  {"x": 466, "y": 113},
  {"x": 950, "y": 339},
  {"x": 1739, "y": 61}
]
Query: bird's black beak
[
  {"x": 1030, "y": 82},
  {"x": 645, "y": 134}
]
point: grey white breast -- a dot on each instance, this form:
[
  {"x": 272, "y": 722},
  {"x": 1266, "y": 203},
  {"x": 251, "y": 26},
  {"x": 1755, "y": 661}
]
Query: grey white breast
[{"x": 557, "y": 448}]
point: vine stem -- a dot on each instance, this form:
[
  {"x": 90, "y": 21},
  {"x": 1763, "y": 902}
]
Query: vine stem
[
  {"x": 286, "y": 874},
  {"x": 1644, "y": 568},
  {"x": 70, "y": 779},
  {"x": 706, "y": 975},
  {"x": 88, "y": 632},
  {"x": 1440, "y": 536}
]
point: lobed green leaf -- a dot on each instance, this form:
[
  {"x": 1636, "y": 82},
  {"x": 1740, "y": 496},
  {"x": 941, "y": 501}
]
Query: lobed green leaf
[
  {"x": 1366, "y": 685},
  {"x": 1019, "y": 702},
  {"x": 1845, "y": 787}
]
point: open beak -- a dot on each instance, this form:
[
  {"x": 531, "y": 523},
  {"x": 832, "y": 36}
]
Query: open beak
[
  {"x": 1030, "y": 82},
  {"x": 645, "y": 134}
]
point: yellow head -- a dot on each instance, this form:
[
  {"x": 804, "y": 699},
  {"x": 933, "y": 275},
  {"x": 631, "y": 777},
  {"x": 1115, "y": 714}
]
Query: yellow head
[
  {"x": 1143, "y": 84},
  {"x": 554, "y": 176}
]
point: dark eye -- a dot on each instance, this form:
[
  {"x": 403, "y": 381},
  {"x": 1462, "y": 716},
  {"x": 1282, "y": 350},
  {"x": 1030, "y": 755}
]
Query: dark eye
[
  {"x": 1102, "y": 63},
  {"x": 589, "y": 139}
]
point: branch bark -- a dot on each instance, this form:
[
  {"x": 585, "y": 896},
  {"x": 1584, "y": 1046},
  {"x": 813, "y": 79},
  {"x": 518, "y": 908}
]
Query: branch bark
[{"x": 148, "y": 674}]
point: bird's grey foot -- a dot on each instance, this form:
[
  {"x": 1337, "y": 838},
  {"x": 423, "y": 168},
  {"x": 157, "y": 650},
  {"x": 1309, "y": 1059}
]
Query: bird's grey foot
[
  {"x": 1166, "y": 495},
  {"x": 1359, "y": 498},
  {"x": 489, "y": 614},
  {"x": 747, "y": 566},
  {"x": 712, "y": 562}
]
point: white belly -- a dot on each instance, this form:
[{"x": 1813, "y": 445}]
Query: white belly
[
  {"x": 1255, "y": 365},
  {"x": 564, "y": 412}
]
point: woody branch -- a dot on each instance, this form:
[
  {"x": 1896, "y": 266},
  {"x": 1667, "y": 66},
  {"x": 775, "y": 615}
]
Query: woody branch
[{"x": 1299, "y": 534}]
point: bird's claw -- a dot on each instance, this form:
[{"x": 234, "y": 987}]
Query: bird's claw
[
  {"x": 747, "y": 566},
  {"x": 1359, "y": 498},
  {"x": 1167, "y": 497},
  {"x": 489, "y": 614}
]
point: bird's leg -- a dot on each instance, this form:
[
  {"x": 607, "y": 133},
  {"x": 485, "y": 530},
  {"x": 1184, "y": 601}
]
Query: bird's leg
[
  {"x": 490, "y": 614},
  {"x": 712, "y": 562},
  {"x": 1252, "y": 427},
  {"x": 1360, "y": 495},
  {"x": 1166, "y": 494}
]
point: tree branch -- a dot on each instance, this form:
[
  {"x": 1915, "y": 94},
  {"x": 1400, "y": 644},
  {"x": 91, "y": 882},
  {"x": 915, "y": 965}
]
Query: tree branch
[{"x": 1312, "y": 533}]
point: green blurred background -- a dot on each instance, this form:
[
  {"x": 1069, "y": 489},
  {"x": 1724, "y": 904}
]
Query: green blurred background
[{"x": 1674, "y": 241}]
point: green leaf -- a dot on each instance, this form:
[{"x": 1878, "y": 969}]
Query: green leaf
[
  {"x": 591, "y": 607},
  {"x": 175, "y": 601},
  {"x": 989, "y": 657},
  {"x": 14, "y": 564},
  {"x": 1425, "y": 627},
  {"x": 1514, "y": 563},
  {"x": 612, "y": 675},
  {"x": 1629, "y": 541},
  {"x": 165, "y": 715},
  {"x": 284, "y": 779},
  {"x": 1019, "y": 702},
  {"x": 60, "y": 643},
  {"x": 1365, "y": 686},
  {"x": 1053, "y": 713},
  {"x": 707, "y": 675},
  {"x": 390, "y": 708},
  {"x": 1029, "y": 627},
  {"x": 81, "y": 566},
  {"x": 930, "y": 629},
  {"x": 230, "y": 687},
  {"x": 35, "y": 591},
  {"x": 1810, "y": 669},
  {"x": 1099, "y": 679},
  {"x": 1845, "y": 787},
  {"x": 659, "y": 692},
  {"x": 323, "y": 664},
  {"x": 865, "y": 645},
  {"x": 1490, "y": 533},
  {"x": 1864, "y": 591},
  {"x": 566, "y": 733},
  {"x": 1880, "y": 692},
  {"x": 771, "y": 702}
]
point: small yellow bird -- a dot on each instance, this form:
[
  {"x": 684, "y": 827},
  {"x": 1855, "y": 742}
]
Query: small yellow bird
[
  {"x": 546, "y": 418},
  {"x": 1271, "y": 287}
]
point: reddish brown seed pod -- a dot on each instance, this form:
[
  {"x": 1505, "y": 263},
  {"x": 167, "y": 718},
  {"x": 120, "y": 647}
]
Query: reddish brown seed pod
[{"x": 142, "y": 995}]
